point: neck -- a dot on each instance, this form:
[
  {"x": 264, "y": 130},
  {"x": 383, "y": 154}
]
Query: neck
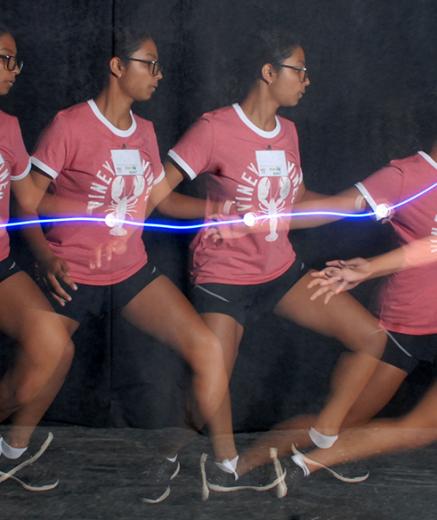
[
  {"x": 260, "y": 108},
  {"x": 115, "y": 107}
]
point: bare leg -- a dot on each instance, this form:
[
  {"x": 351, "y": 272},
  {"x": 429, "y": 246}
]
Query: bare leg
[
  {"x": 416, "y": 429},
  {"x": 380, "y": 389},
  {"x": 161, "y": 310},
  {"x": 349, "y": 322},
  {"x": 44, "y": 356},
  {"x": 229, "y": 333}
]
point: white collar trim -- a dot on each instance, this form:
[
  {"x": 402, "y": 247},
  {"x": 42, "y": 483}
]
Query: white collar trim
[
  {"x": 108, "y": 124},
  {"x": 262, "y": 133},
  {"x": 428, "y": 159}
]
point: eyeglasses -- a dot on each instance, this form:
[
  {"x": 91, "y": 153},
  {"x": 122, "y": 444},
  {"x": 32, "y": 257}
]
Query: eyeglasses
[
  {"x": 303, "y": 71},
  {"x": 11, "y": 62},
  {"x": 154, "y": 65}
]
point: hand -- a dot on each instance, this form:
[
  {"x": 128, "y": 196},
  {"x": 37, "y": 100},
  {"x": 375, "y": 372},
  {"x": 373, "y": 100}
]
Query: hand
[
  {"x": 339, "y": 276},
  {"x": 54, "y": 273},
  {"x": 221, "y": 231},
  {"x": 104, "y": 251}
]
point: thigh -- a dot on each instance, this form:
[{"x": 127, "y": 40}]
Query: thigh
[
  {"x": 25, "y": 314},
  {"x": 229, "y": 333},
  {"x": 161, "y": 310},
  {"x": 425, "y": 413},
  {"x": 42, "y": 336},
  {"x": 343, "y": 317}
]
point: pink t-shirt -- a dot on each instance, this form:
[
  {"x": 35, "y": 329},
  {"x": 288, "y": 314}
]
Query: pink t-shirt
[
  {"x": 105, "y": 170},
  {"x": 14, "y": 165},
  {"x": 408, "y": 302},
  {"x": 251, "y": 171}
]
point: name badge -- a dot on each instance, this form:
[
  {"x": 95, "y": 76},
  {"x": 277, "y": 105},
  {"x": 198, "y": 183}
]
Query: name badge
[
  {"x": 271, "y": 163},
  {"x": 127, "y": 162}
]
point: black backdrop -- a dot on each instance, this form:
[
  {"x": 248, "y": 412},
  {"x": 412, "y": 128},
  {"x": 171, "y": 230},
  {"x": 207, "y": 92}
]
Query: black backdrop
[{"x": 370, "y": 63}]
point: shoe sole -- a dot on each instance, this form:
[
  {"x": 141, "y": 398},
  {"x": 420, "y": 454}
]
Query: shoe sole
[
  {"x": 166, "y": 493},
  {"x": 10, "y": 475},
  {"x": 338, "y": 476},
  {"x": 278, "y": 482},
  {"x": 159, "y": 499}
]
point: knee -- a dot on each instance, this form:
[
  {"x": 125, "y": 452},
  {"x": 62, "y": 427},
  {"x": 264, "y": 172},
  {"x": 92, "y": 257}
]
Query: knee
[
  {"x": 66, "y": 356},
  {"x": 205, "y": 349},
  {"x": 59, "y": 354},
  {"x": 371, "y": 341}
]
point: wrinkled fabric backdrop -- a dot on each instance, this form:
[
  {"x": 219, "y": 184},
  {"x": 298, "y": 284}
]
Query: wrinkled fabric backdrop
[{"x": 371, "y": 64}]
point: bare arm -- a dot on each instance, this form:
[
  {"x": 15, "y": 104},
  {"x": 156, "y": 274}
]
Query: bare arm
[
  {"x": 415, "y": 254},
  {"x": 172, "y": 204},
  {"x": 29, "y": 193},
  {"x": 348, "y": 201},
  {"x": 343, "y": 275}
]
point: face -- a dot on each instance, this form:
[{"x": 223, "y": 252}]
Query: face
[
  {"x": 137, "y": 80},
  {"x": 288, "y": 85},
  {"x": 7, "y": 77}
]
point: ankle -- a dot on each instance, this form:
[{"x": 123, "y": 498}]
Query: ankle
[
  {"x": 11, "y": 452},
  {"x": 229, "y": 466},
  {"x": 322, "y": 440}
]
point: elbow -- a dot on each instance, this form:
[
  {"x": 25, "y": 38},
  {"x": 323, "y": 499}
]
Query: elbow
[
  {"x": 26, "y": 206},
  {"x": 164, "y": 207}
]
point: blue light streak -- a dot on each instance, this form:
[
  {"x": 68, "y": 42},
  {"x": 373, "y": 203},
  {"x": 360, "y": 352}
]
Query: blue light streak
[
  {"x": 413, "y": 197},
  {"x": 201, "y": 225}
]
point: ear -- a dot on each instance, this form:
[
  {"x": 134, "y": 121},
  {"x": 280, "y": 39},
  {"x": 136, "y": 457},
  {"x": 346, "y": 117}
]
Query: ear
[
  {"x": 268, "y": 73},
  {"x": 116, "y": 66}
]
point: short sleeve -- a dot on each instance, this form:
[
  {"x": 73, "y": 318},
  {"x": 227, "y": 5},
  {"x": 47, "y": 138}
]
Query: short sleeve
[
  {"x": 50, "y": 154},
  {"x": 382, "y": 187},
  {"x": 193, "y": 152},
  {"x": 21, "y": 159}
]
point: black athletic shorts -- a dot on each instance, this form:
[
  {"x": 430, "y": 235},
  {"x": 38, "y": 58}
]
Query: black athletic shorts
[
  {"x": 8, "y": 267},
  {"x": 94, "y": 300},
  {"x": 406, "y": 351},
  {"x": 245, "y": 301}
]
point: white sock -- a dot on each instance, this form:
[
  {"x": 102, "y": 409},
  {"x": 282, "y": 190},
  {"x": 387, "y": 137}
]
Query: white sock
[
  {"x": 299, "y": 461},
  {"x": 321, "y": 440},
  {"x": 9, "y": 451},
  {"x": 173, "y": 459},
  {"x": 229, "y": 466}
]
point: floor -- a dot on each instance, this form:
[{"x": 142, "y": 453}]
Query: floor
[{"x": 100, "y": 475}]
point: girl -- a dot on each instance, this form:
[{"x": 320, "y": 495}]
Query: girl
[
  {"x": 408, "y": 308},
  {"x": 252, "y": 155},
  {"x": 104, "y": 160},
  {"x": 408, "y": 311},
  {"x": 44, "y": 348}
]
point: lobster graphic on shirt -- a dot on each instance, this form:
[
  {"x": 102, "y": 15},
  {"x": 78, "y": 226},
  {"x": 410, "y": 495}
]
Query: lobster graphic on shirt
[
  {"x": 124, "y": 196},
  {"x": 272, "y": 193}
]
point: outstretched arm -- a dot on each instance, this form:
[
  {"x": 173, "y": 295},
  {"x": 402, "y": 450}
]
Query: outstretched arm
[
  {"x": 348, "y": 201},
  {"x": 343, "y": 275},
  {"x": 173, "y": 204}
]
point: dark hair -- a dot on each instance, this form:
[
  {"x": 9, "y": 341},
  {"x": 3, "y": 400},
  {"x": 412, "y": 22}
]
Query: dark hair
[
  {"x": 261, "y": 47},
  {"x": 4, "y": 29},
  {"x": 427, "y": 121},
  {"x": 127, "y": 40}
]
